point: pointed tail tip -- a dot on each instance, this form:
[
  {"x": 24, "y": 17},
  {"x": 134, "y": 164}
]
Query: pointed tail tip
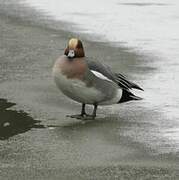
[
  {"x": 141, "y": 89},
  {"x": 136, "y": 97},
  {"x": 138, "y": 87}
]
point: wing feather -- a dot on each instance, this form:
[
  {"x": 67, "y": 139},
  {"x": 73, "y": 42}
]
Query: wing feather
[{"x": 118, "y": 78}]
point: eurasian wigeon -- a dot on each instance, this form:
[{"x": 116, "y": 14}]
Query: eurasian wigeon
[{"x": 90, "y": 82}]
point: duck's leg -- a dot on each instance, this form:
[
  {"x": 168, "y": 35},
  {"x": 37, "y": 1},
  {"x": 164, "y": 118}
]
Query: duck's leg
[
  {"x": 84, "y": 116},
  {"x": 79, "y": 116},
  {"x": 83, "y": 110},
  {"x": 94, "y": 110}
]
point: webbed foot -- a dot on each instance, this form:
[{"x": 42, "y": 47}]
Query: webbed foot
[
  {"x": 88, "y": 117},
  {"x": 77, "y": 116},
  {"x": 84, "y": 117}
]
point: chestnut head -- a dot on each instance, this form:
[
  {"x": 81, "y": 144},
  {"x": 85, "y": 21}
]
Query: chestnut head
[{"x": 74, "y": 49}]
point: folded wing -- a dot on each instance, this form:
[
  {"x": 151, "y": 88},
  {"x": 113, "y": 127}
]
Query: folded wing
[{"x": 118, "y": 78}]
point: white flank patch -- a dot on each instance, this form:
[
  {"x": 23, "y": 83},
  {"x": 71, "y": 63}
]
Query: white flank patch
[
  {"x": 114, "y": 100},
  {"x": 101, "y": 76}
]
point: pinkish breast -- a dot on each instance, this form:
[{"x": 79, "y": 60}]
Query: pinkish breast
[{"x": 74, "y": 69}]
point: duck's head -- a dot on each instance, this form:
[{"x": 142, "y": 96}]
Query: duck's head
[{"x": 74, "y": 49}]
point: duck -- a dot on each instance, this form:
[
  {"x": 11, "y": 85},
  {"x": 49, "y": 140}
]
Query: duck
[{"x": 89, "y": 81}]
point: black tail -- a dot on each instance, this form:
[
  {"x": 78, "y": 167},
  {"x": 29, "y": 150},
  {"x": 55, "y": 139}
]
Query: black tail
[{"x": 128, "y": 96}]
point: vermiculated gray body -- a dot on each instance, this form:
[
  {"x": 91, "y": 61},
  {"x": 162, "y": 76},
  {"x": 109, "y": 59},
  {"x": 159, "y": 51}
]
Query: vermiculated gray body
[{"x": 89, "y": 90}]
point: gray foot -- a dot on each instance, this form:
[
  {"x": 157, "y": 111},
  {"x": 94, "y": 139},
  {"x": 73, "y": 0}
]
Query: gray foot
[
  {"x": 84, "y": 117},
  {"x": 77, "y": 116},
  {"x": 87, "y": 117}
]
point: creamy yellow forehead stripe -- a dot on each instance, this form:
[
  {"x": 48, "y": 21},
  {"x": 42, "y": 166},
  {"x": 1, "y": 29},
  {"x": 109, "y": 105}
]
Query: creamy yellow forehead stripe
[{"x": 73, "y": 43}]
